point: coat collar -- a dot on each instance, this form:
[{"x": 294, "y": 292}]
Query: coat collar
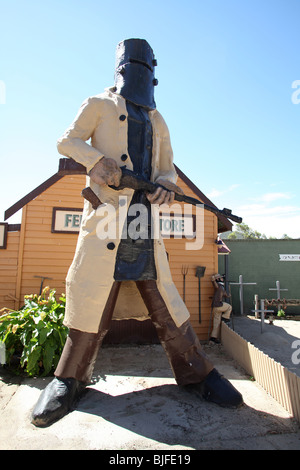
[{"x": 119, "y": 100}]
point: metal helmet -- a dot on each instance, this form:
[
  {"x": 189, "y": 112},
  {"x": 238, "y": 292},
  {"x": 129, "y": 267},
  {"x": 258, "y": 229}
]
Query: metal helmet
[{"x": 134, "y": 72}]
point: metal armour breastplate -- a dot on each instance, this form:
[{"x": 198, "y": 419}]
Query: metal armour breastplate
[{"x": 135, "y": 257}]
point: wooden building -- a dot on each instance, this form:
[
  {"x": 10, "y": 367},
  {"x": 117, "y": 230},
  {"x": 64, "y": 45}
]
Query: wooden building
[{"x": 39, "y": 251}]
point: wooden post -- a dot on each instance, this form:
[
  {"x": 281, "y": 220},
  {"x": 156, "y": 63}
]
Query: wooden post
[
  {"x": 256, "y": 303},
  {"x": 262, "y": 315},
  {"x": 20, "y": 258},
  {"x": 200, "y": 270}
]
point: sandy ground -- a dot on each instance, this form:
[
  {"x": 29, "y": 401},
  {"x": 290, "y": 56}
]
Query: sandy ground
[{"x": 135, "y": 404}]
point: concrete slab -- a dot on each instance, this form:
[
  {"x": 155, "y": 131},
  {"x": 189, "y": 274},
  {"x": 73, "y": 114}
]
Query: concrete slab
[
  {"x": 135, "y": 404},
  {"x": 279, "y": 340}
]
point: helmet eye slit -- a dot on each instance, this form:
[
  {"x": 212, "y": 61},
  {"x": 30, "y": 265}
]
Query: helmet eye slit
[{"x": 141, "y": 62}]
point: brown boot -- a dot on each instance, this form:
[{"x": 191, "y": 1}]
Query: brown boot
[{"x": 74, "y": 370}]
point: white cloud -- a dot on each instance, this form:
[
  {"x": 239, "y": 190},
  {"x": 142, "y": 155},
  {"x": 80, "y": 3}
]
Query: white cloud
[
  {"x": 275, "y": 225},
  {"x": 215, "y": 193},
  {"x": 270, "y": 197},
  {"x": 270, "y": 213},
  {"x": 272, "y": 220},
  {"x": 265, "y": 210}
]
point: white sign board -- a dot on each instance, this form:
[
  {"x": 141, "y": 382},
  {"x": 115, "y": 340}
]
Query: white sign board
[
  {"x": 289, "y": 257},
  {"x": 66, "y": 220},
  {"x": 3, "y": 235},
  {"x": 177, "y": 226}
]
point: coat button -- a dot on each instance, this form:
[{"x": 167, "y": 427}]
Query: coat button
[
  {"x": 122, "y": 117},
  {"x": 124, "y": 157},
  {"x": 111, "y": 246}
]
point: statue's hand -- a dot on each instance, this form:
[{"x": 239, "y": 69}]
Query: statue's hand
[
  {"x": 164, "y": 196},
  {"x": 106, "y": 171}
]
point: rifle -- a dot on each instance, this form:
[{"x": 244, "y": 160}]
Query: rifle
[{"x": 131, "y": 180}]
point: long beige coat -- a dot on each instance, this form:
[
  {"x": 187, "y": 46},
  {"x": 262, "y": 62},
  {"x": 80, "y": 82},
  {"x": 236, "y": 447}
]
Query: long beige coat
[{"x": 103, "y": 119}]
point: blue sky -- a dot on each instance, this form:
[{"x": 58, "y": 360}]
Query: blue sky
[{"x": 225, "y": 71}]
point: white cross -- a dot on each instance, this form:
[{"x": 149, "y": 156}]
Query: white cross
[
  {"x": 277, "y": 288},
  {"x": 242, "y": 284},
  {"x": 262, "y": 312}
]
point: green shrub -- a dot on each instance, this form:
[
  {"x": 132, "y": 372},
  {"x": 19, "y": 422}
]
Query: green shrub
[
  {"x": 35, "y": 334},
  {"x": 280, "y": 313}
]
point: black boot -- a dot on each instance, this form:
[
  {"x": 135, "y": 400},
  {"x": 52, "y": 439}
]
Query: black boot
[
  {"x": 59, "y": 397},
  {"x": 217, "y": 389}
]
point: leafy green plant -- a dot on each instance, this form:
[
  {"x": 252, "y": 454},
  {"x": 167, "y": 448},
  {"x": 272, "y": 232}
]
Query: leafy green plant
[
  {"x": 280, "y": 313},
  {"x": 35, "y": 333}
]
